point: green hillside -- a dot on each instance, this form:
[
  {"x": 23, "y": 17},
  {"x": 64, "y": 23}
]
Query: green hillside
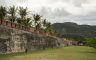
[{"x": 74, "y": 30}]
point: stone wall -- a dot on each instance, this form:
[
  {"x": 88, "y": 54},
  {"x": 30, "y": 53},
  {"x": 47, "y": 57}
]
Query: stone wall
[{"x": 14, "y": 40}]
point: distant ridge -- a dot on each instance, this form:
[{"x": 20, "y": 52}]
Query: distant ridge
[{"x": 75, "y": 29}]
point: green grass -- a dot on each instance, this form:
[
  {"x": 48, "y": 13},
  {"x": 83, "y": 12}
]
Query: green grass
[{"x": 66, "y": 53}]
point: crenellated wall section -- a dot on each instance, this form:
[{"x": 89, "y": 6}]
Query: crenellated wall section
[
  {"x": 17, "y": 38},
  {"x": 14, "y": 40}
]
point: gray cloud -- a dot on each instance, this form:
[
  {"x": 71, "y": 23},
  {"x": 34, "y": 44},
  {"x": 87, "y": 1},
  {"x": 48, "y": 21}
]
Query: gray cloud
[
  {"x": 3, "y": 3},
  {"x": 88, "y": 19},
  {"x": 77, "y": 3},
  {"x": 7, "y": 3},
  {"x": 55, "y": 15},
  {"x": 76, "y": 13},
  {"x": 57, "y": 12},
  {"x": 61, "y": 15},
  {"x": 21, "y": 1},
  {"x": 60, "y": 12}
]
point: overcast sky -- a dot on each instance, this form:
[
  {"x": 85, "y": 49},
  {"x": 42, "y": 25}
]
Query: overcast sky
[{"x": 79, "y": 11}]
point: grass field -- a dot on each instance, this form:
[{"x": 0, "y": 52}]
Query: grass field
[{"x": 66, "y": 53}]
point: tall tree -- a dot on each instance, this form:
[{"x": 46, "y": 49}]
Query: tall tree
[
  {"x": 37, "y": 19},
  {"x": 12, "y": 11},
  {"x": 27, "y": 22},
  {"x": 38, "y": 26},
  {"x": 44, "y": 23},
  {"x": 19, "y": 21},
  {"x": 23, "y": 17},
  {"x": 48, "y": 27},
  {"x": 3, "y": 12},
  {"x": 23, "y": 13}
]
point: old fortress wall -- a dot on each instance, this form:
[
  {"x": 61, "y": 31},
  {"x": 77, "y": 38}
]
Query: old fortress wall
[{"x": 17, "y": 38}]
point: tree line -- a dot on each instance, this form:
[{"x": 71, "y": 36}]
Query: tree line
[{"x": 20, "y": 16}]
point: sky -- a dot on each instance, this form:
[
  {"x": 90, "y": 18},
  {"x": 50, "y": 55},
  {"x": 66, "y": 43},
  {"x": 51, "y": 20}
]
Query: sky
[{"x": 59, "y": 11}]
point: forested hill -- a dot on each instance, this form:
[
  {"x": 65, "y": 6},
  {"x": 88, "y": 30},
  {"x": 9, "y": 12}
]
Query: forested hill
[{"x": 72, "y": 29}]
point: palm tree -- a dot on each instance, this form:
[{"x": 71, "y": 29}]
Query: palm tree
[
  {"x": 55, "y": 32},
  {"x": 23, "y": 19},
  {"x": 23, "y": 12},
  {"x": 37, "y": 19},
  {"x": 48, "y": 27},
  {"x": 27, "y": 22},
  {"x": 19, "y": 21},
  {"x": 43, "y": 26},
  {"x": 44, "y": 23},
  {"x": 38, "y": 26},
  {"x": 12, "y": 12},
  {"x": 3, "y": 12}
]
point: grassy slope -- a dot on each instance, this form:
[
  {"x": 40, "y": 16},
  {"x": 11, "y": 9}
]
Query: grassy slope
[{"x": 66, "y": 53}]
